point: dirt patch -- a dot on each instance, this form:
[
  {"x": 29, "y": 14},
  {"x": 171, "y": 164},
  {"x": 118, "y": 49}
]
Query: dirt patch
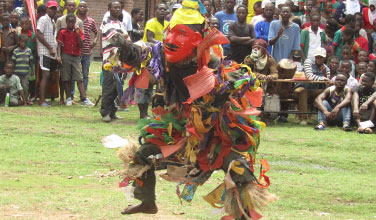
[{"x": 15, "y": 212}]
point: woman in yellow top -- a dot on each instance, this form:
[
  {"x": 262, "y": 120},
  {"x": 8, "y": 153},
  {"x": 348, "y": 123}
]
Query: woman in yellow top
[{"x": 154, "y": 27}]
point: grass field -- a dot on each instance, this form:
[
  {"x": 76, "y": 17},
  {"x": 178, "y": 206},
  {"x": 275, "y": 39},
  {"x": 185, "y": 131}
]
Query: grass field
[{"x": 53, "y": 166}]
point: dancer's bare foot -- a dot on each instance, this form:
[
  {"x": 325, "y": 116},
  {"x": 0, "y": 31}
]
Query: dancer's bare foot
[{"x": 144, "y": 207}]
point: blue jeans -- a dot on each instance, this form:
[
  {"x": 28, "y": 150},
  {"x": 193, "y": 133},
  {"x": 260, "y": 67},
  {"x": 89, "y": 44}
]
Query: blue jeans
[
  {"x": 344, "y": 115},
  {"x": 85, "y": 63}
]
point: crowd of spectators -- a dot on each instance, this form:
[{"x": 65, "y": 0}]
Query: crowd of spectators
[{"x": 329, "y": 40}]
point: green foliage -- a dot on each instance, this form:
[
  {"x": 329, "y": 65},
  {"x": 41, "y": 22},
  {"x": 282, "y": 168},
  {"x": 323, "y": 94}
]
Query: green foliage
[{"x": 53, "y": 166}]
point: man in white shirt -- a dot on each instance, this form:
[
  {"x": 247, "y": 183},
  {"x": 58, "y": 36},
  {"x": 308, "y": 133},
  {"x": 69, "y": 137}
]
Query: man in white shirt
[{"x": 125, "y": 17}]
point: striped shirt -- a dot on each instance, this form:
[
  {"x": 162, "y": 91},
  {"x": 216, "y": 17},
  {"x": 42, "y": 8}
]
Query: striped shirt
[
  {"x": 89, "y": 27},
  {"x": 22, "y": 59},
  {"x": 313, "y": 72},
  {"x": 109, "y": 28}
]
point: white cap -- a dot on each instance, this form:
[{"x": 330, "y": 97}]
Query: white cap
[
  {"x": 176, "y": 6},
  {"x": 320, "y": 52}
]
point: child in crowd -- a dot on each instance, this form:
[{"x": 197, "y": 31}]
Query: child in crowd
[
  {"x": 25, "y": 25},
  {"x": 10, "y": 83},
  {"x": 348, "y": 40},
  {"x": 362, "y": 56},
  {"x": 70, "y": 42},
  {"x": 346, "y": 55},
  {"x": 371, "y": 67},
  {"x": 23, "y": 59},
  {"x": 333, "y": 66},
  {"x": 363, "y": 102},
  {"x": 361, "y": 68},
  {"x": 14, "y": 19},
  {"x": 9, "y": 41},
  {"x": 345, "y": 69},
  {"x": 334, "y": 105},
  {"x": 362, "y": 41}
]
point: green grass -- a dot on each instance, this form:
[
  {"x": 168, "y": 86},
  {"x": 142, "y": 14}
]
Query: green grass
[{"x": 53, "y": 166}]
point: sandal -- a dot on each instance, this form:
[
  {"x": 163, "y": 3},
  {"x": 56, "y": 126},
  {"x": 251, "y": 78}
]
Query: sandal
[
  {"x": 320, "y": 126},
  {"x": 44, "y": 104},
  {"x": 346, "y": 127}
]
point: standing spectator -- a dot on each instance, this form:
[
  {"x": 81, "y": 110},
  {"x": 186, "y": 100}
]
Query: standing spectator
[
  {"x": 23, "y": 60},
  {"x": 9, "y": 6},
  {"x": 70, "y": 41},
  {"x": 154, "y": 27},
  {"x": 32, "y": 44},
  {"x": 10, "y": 83},
  {"x": 89, "y": 29},
  {"x": 262, "y": 27},
  {"x": 309, "y": 5},
  {"x": 174, "y": 8},
  {"x": 153, "y": 32},
  {"x": 241, "y": 36},
  {"x": 124, "y": 17},
  {"x": 225, "y": 18},
  {"x": 284, "y": 36},
  {"x": 214, "y": 22},
  {"x": 47, "y": 47},
  {"x": 209, "y": 8},
  {"x": 251, "y": 10},
  {"x": 64, "y": 8},
  {"x": 14, "y": 20},
  {"x": 9, "y": 41},
  {"x": 70, "y": 6},
  {"x": 334, "y": 105},
  {"x": 338, "y": 36},
  {"x": 257, "y": 7},
  {"x": 312, "y": 38},
  {"x": 61, "y": 23},
  {"x": 110, "y": 26},
  {"x": 137, "y": 18}
]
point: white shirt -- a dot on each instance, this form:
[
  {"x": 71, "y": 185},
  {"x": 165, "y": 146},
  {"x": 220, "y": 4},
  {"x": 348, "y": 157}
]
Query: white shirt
[
  {"x": 256, "y": 19},
  {"x": 127, "y": 19},
  {"x": 314, "y": 42}
]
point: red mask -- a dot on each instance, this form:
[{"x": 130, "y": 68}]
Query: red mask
[{"x": 180, "y": 43}]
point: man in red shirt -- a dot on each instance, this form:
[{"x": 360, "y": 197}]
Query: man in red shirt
[{"x": 70, "y": 42}]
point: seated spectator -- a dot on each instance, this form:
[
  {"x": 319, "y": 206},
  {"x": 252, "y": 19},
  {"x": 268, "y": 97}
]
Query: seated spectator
[
  {"x": 345, "y": 69},
  {"x": 363, "y": 102},
  {"x": 241, "y": 36},
  {"x": 372, "y": 56},
  {"x": 312, "y": 38},
  {"x": 23, "y": 59},
  {"x": 338, "y": 40},
  {"x": 362, "y": 41},
  {"x": 11, "y": 84},
  {"x": 361, "y": 68},
  {"x": 70, "y": 41},
  {"x": 333, "y": 66},
  {"x": 369, "y": 15},
  {"x": 362, "y": 56},
  {"x": 265, "y": 68},
  {"x": 315, "y": 70},
  {"x": 371, "y": 67},
  {"x": 346, "y": 55},
  {"x": 334, "y": 105}
]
